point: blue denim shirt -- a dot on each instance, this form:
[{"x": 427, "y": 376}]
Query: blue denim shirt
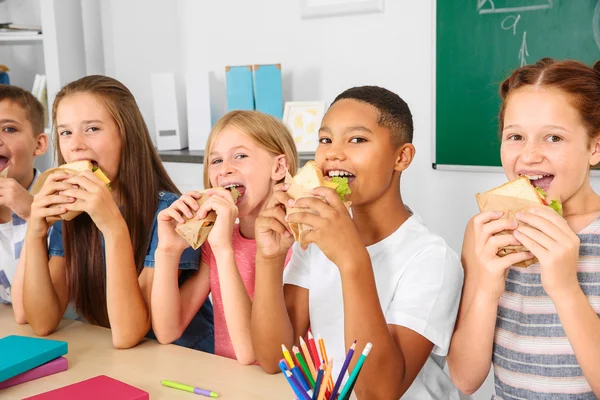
[{"x": 199, "y": 334}]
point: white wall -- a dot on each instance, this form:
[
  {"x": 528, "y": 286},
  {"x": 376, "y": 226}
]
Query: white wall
[{"x": 320, "y": 58}]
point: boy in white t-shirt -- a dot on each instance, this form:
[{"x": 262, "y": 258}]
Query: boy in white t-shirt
[
  {"x": 22, "y": 138},
  {"x": 379, "y": 276}
]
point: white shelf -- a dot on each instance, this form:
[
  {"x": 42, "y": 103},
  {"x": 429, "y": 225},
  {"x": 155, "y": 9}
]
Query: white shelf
[{"x": 21, "y": 38}]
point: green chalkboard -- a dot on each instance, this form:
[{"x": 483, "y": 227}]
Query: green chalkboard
[{"x": 479, "y": 43}]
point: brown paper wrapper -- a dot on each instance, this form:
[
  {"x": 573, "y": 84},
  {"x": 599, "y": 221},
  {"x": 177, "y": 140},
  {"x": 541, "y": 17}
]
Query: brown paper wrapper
[
  {"x": 195, "y": 232},
  {"x": 510, "y": 206}
]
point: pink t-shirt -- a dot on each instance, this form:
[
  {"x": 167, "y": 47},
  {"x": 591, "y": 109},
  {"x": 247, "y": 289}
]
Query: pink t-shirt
[{"x": 245, "y": 258}]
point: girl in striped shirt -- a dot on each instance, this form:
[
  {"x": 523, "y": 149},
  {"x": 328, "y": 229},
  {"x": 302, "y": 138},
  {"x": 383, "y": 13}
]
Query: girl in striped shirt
[{"x": 540, "y": 326}]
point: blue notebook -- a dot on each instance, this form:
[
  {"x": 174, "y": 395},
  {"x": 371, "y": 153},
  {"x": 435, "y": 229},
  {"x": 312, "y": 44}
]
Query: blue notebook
[
  {"x": 19, "y": 354},
  {"x": 240, "y": 93},
  {"x": 268, "y": 93}
]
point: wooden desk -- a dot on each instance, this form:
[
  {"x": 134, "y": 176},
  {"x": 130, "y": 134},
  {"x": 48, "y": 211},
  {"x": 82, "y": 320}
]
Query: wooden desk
[{"x": 91, "y": 353}]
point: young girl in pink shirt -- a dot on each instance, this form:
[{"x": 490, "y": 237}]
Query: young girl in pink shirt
[{"x": 250, "y": 151}]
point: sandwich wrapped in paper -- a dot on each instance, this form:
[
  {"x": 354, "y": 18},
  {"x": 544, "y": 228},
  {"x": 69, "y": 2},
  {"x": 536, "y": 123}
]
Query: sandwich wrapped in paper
[
  {"x": 511, "y": 198},
  {"x": 195, "y": 232},
  {"x": 74, "y": 169},
  {"x": 308, "y": 178}
]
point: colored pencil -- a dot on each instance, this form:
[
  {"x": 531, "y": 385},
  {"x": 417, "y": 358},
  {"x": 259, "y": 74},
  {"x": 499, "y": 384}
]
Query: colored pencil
[
  {"x": 340, "y": 378},
  {"x": 318, "y": 382},
  {"x": 321, "y": 341},
  {"x": 302, "y": 394},
  {"x": 298, "y": 373},
  {"x": 350, "y": 383},
  {"x": 328, "y": 366},
  {"x": 313, "y": 348},
  {"x": 305, "y": 369},
  {"x": 308, "y": 358},
  {"x": 287, "y": 356},
  {"x": 283, "y": 367}
]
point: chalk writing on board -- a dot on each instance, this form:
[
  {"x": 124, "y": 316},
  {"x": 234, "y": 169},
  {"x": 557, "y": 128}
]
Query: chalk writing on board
[
  {"x": 513, "y": 21},
  {"x": 489, "y": 7},
  {"x": 596, "y": 24},
  {"x": 523, "y": 53}
]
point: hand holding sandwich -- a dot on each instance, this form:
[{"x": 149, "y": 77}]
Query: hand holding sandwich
[
  {"x": 49, "y": 202},
  {"x": 492, "y": 268},
  {"x": 271, "y": 231},
  {"x": 333, "y": 230},
  {"x": 169, "y": 241},
  {"x": 221, "y": 202},
  {"x": 548, "y": 236},
  {"x": 93, "y": 197}
]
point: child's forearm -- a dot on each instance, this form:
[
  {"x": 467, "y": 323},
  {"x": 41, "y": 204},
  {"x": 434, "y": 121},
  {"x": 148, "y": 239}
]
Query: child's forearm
[
  {"x": 16, "y": 290},
  {"x": 166, "y": 298},
  {"x": 470, "y": 356},
  {"x": 236, "y": 305},
  {"x": 270, "y": 323},
  {"x": 582, "y": 326},
  {"x": 364, "y": 322},
  {"x": 41, "y": 303},
  {"x": 127, "y": 310}
]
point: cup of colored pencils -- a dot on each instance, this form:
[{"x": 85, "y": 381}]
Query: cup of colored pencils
[{"x": 308, "y": 370}]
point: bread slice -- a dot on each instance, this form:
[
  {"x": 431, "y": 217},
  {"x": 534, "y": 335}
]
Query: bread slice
[{"x": 520, "y": 188}]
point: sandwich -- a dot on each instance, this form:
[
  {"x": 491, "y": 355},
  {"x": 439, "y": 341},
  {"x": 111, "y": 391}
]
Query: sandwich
[
  {"x": 511, "y": 198},
  {"x": 308, "y": 178},
  {"x": 195, "y": 232},
  {"x": 4, "y": 173},
  {"x": 74, "y": 169}
]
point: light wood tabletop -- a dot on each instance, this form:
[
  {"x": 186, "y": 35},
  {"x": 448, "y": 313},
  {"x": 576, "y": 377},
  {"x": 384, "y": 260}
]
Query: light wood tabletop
[{"x": 91, "y": 353}]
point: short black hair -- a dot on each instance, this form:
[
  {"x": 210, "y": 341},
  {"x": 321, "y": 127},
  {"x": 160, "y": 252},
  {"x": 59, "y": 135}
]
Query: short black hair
[
  {"x": 394, "y": 113},
  {"x": 34, "y": 110}
]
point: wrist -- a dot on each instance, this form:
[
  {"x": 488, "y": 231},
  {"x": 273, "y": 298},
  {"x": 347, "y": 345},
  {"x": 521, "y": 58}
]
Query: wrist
[
  {"x": 354, "y": 262},
  {"x": 168, "y": 251},
  {"x": 565, "y": 294}
]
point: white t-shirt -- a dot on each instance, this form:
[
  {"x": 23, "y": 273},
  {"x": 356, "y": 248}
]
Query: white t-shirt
[
  {"x": 12, "y": 236},
  {"x": 11, "y": 240},
  {"x": 419, "y": 280}
]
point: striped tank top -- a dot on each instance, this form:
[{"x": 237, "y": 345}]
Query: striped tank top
[{"x": 532, "y": 357}]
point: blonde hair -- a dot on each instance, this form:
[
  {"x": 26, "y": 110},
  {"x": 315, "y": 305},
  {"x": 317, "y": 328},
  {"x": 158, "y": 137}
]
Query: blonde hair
[{"x": 268, "y": 132}]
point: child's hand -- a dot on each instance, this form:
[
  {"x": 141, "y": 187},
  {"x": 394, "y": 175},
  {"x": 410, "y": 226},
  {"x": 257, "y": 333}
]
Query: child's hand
[
  {"x": 556, "y": 246},
  {"x": 15, "y": 197},
  {"x": 221, "y": 202},
  {"x": 333, "y": 230},
  {"x": 492, "y": 268},
  {"x": 93, "y": 197},
  {"x": 272, "y": 232},
  {"x": 49, "y": 202},
  {"x": 168, "y": 239}
]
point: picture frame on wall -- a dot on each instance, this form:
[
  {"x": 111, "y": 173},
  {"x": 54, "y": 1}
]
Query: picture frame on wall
[
  {"x": 328, "y": 8},
  {"x": 303, "y": 118}
]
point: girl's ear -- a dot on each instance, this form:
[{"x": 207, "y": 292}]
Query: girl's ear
[
  {"x": 279, "y": 168},
  {"x": 595, "y": 157}
]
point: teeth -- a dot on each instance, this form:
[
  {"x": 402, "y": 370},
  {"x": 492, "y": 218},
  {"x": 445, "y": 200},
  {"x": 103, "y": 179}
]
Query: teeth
[
  {"x": 339, "y": 173},
  {"x": 232, "y": 186},
  {"x": 536, "y": 177}
]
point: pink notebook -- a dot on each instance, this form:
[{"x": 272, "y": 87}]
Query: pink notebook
[
  {"x": 57, "y": 365},
  {"x": 98, "y": 388}
]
